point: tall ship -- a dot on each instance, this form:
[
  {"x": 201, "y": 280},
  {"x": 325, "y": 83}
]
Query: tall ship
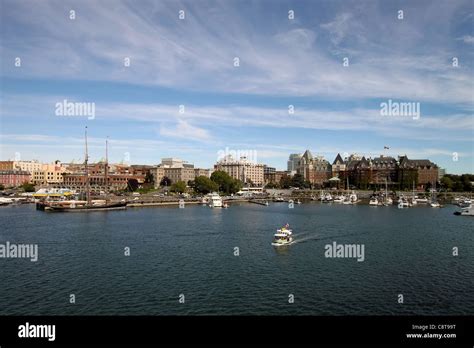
[{"x": 88, "y": 204}]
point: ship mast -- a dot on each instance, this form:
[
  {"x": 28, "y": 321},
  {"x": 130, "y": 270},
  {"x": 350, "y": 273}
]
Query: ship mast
[
  {"x": 106, "y": 171},
  {"x": 88, "y": 193}
]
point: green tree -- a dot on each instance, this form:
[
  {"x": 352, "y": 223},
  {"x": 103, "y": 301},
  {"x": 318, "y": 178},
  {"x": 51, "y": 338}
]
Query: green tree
[
  {"x": 225, "y": 182},
  {"x": 203, "y": 184},
  {"x": 2, "y": 187},
  {"x": 179, "y": 186},
  {"x": 27, "y": 187},
  {"x": 285, "y": 182},
  {"x": 447, "y": 183},
  {"x": 297, "y": 181}
]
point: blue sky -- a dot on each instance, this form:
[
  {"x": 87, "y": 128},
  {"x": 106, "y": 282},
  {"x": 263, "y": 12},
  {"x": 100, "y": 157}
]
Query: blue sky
[{"x": 283, "y": 62}]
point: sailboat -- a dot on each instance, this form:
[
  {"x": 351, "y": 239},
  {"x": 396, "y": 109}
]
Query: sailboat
[
  {"x": 434, "y": 203},
  {"x": 88, "y": 205},
  {"x": 413, "y": 197}
]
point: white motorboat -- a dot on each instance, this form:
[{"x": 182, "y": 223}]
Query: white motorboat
[
  {"x": 466, "y": 211},
  {"x": 435, "y": 205},
  {"x": 339, "y": 199},
  {"x": 421, "y": 200},
  {"x": 4, "y": 201},
  {"x": 215, "y": 201},
  {"x": 403, "y": 203},
  {"x": 353, "y": 198},
  {"x": 374, "y": 201},
  {"x": 283, "y": 236}
]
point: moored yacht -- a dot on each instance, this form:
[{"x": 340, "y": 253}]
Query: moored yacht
[
  {"x": 215, "y": 201},
  {"x": 373, "y": 201}
]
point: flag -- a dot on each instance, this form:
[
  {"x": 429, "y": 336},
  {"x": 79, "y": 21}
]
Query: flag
[{"x": 386, "y": 148}]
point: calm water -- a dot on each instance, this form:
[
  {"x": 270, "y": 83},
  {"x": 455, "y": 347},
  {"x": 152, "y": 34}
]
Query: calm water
[{"x": 191, "y": 251}]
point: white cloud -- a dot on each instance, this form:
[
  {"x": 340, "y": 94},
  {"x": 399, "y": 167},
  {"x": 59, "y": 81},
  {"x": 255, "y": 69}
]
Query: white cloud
[{"x": 186, "y": 131}]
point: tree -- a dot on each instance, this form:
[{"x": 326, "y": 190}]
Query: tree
[
  {"x": 165, "y": 181},
  {"x": 285, "y": 182},
  {"x": 179, "y": 186},
  {"x": 27, "y": 187},
  {"x": 2, "y": 187},
  {"x": 149, "y": 179},
  {"x": 447, "y": 183},
  {"x": 202, "y": 184},
  {"x": 297, "y": 181},
  {"x": 225, "y": 182}
]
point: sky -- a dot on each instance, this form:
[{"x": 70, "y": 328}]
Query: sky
[{"x": 335, "y": 63}]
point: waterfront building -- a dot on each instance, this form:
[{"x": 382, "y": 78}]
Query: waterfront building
[
  {"x": 426, "y": 171},
  {"x": 293, "y": 163},
  {"x": 6, "y": 165},
  {"x": 269, "y": 174},
  {"x": 49, "y": 174},
  {"x": 13, "y": 178},
  {"x": 383, "y": 168},
  {"x": 338, "y": 165},
  {"x": 26, "y": 166},
  {"x": 176, "y": 170},
  {"x": 314, "y": 169},
  {"x": 243, "y": 170}
]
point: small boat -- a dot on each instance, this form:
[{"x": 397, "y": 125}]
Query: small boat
[
  {"x": 215, "y": 201},
  {"x": 298, "y": 202},
  {"x": 466, "y": 211},
  {"x": 339, "y": 199},
  {"x": 435, "y": 205},
  {"x": 421, "y": 200},
  {"x": 374, "y": 201},
  {"x": 353, "y": 198},
  {"x": 403, "y": 203},
  {"x": 283, "y": 236}
]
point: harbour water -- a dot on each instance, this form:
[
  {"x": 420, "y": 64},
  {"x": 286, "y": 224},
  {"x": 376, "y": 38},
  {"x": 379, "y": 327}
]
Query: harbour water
[{"x": 191, "y": 251}]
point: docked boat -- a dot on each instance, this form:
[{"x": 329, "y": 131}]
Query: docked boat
[
  {"x": 339, "y": 199},
  {"x": 353, "y": 198},
  {"x": 466, "y": 211},
  {"x": 215, "y": 201},
  {"x": 421, "y": 200},
  {"x": 373, "y": 201},
  {"x": 77, "y": 207},
  {"x": 435, "y": 205},
  {"x": 87, "y": 205},
  {"x": 403, "y": 203},
  {"x": 284, "y": 236},
  {"x": 5, "y": 201}
]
